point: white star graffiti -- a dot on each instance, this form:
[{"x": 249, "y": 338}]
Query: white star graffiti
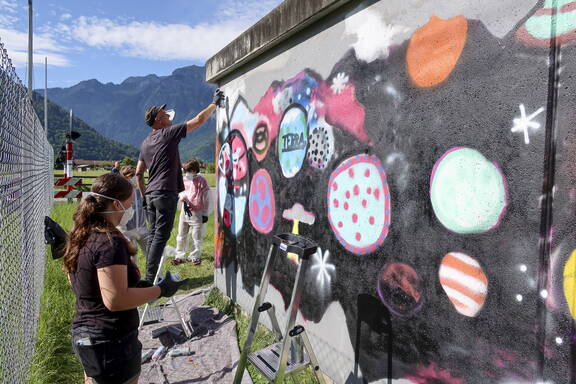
[
  {"x": 523, "y": 123},
  {"x": 323, "y": 267},
  {"x": 339, "y": 83}
]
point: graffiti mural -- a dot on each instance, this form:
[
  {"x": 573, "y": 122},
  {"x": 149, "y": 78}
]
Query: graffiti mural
[{"x": 418, "y": 166}]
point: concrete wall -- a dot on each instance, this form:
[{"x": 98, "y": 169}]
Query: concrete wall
[{"x": 430, "y": 145}]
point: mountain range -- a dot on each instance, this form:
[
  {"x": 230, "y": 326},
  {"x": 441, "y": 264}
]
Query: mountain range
[
  {"x": 117, "y": 110},
  {"x": 90, "y": 146}
]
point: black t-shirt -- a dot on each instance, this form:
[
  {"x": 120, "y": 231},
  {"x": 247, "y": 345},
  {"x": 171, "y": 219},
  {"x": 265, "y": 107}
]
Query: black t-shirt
[
  {"x": 159, "y": 151},
  {"x": 102, "y": 250}
]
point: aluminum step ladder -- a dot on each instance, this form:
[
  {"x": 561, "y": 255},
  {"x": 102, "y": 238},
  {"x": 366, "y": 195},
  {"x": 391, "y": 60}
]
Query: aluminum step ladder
[
  {"x": 292, "y": 351},
  {"x": 183, "y": 322}
]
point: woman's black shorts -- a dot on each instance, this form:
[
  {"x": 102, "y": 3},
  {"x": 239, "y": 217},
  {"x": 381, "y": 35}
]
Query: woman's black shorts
[{"x": 108, "y": 360}]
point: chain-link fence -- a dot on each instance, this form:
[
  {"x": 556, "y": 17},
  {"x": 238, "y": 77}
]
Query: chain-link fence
[{"x": 25, "y": 198}]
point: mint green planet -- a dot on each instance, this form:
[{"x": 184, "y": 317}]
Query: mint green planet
[
  {"x": 467, "y": 191},
  {"x": 540, "y": 25}
]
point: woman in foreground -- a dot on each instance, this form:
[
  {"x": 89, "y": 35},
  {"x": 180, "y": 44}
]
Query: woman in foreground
[{"x": 107, "y": 284}]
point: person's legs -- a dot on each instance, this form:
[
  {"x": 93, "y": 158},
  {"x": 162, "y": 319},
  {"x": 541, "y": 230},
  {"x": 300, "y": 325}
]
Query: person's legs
[
  {"x": 164, "y": 204},
  {"x": 181, "y": 243},
  {"x": 198, "y": 230},
  {"x": 151, "y": 221},
  {"x": 107, "y": 359}
]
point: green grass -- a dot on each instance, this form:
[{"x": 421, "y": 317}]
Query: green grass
[
  {"x": 87, "y": 182},
  {"x": 201, "y": 275},
  {"x": 262, "y": 338},
  {"x": 210, "y": 178},
  {"x": 54, "y": 360},
  {"x": 77, "y": 173}
]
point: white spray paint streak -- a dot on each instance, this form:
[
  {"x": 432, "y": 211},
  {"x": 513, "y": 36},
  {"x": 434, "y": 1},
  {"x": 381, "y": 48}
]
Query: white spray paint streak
[
  {"x": 339, "y": 82},
  {"x": 374, "y": 36},
  {"x": 234, "y": 89},
  {"x": 282, "y": 100},
  {"x": 523, "y": 123},
  {"x": 397, "y": 159},
  {"x": 323, "y": 269}
]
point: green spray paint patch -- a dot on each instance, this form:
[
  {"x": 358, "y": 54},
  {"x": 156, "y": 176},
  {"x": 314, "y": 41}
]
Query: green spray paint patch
[
  {"x": 538, "y": 30},
  {"x": 467, "y": 191}
]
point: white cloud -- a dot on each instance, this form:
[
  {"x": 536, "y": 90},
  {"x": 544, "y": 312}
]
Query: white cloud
[
  {"x": 249, "y": 11},
  {"x": 162, "y": 41},
  {"x": 155, "y": 41},
  {"x": 142, "y": 39},
  {"x": 10, "y": 6},
  {"x": 16, "y": 43},
  {"x": 8, "y": 11}
]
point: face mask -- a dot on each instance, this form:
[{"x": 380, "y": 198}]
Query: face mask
[
  {"x": 171, "y": 113},
  {"x": 126, "y": 216}
]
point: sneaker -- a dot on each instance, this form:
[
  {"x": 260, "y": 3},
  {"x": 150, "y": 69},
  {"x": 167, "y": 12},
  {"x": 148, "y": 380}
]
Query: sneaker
[
  {"x": 196, "y": 261},
  {"x": 177, "y": 261}
]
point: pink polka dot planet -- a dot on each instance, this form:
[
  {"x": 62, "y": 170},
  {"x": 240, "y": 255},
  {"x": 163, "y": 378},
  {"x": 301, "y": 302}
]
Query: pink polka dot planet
[{"x": 359, "y": 205}]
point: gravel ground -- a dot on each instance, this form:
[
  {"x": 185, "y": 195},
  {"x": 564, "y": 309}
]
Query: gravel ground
[{"x": 213, "y": 344}]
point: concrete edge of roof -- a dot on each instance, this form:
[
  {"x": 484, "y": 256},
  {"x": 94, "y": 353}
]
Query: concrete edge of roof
[{"x": 281, "y": 23}]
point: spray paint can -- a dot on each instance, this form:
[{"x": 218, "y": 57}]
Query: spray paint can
[
  {"x": 185, "y": 351},
  {"x": 158, "y": 353},
  {"x": 146, "y": 355}
]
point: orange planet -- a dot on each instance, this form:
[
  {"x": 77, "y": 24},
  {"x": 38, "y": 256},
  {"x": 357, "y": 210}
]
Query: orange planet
[
  {"x": 465, "y": 283},
  {"x": 435, "y": 49}
]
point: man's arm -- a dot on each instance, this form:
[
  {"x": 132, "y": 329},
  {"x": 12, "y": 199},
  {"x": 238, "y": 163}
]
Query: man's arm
[
  {"x": 205, "y": 114},
  {"x": 140, "y": 169},
  {"x": 200, "y": 119}
]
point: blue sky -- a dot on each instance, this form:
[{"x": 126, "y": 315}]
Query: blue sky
[{"x": 111, "y": 40}]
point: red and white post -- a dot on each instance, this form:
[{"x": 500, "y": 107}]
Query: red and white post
[{"x": 69, "y": 162}]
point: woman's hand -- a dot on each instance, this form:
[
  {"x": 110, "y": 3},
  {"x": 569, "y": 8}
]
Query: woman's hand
[{"x": 169, "y": 286}]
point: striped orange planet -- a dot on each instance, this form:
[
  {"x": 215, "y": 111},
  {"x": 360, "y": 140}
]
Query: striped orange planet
[{"x": 465, "y": 283}]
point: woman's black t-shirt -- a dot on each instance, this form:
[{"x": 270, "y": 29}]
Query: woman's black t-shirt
[{"x": 102, "y": 250}]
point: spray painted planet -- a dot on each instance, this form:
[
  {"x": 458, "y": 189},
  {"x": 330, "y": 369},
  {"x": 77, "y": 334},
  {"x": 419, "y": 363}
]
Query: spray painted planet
[
  {"x": 359, "y": 204},
  {"x": 321, "y": 144},
  {"x": 293, "y": 140},
  {"x": 262, "y": 206},
  {"x": 467, "y": 191},
  {"x": 570, "y": 283},
  {"x": 464, "y": 281},
  {"x": 400, "y": 288}
]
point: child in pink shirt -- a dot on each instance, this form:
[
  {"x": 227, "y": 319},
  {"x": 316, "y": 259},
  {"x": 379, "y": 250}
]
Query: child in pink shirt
[{"x": 193, "y": 217}]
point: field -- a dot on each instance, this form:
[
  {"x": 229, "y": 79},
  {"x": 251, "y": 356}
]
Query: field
[{"x": 89, "y": 176}]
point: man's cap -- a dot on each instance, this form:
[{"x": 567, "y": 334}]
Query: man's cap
[{"x": 151, "y": 113}]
